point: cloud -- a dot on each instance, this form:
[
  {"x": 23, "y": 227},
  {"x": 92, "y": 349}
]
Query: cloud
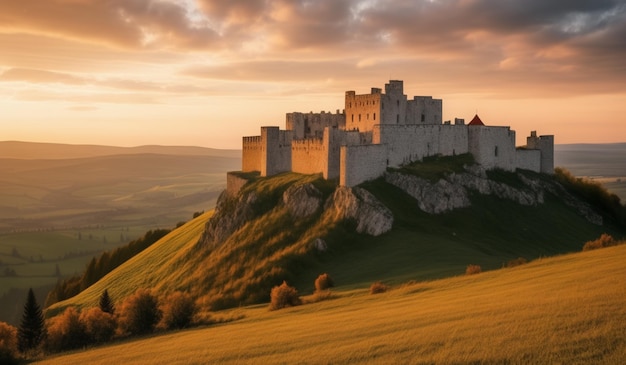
[
  {"x": 577, "y": 45},
  {"x": 123, "y": 23},
  {"x": 40, "y": 76}
]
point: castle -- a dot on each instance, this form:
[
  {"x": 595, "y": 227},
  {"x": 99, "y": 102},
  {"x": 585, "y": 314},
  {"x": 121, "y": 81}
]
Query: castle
[{"x": 380, "y": 130}]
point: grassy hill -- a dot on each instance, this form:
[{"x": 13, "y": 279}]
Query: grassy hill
[
  {"x": 272, "y": 246},
  {"x": 569, "y": 309}
]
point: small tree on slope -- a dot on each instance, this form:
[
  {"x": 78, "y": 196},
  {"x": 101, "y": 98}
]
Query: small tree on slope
[
  {"x": 106, "y": 304},
  {"x": 31, "y": 330}
]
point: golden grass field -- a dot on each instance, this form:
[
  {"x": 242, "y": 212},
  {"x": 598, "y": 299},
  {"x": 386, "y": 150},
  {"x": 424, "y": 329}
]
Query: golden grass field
[{"x": 569, "y": 309}]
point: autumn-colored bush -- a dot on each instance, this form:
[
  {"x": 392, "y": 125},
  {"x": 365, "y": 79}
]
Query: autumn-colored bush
[
  {"x": 605, "y": 240},
  {"x": 99, "y": 326},
  {"x": 473, "y": 269},
  {"x": 323, "y": 282},
  {"x": 8, "y": 344},
  {"x": 139, "y": 313},
  {"x": 283, "y": 296},
  {"x": 66, "y": 332},
  {"x": 178, "y": 310},
  {"x": 378, "y": 287},
  {"x": 516, "y": 262}
]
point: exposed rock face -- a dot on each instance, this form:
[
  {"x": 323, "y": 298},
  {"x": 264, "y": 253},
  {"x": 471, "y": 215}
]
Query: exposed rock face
[
  {"x": 230, "y": 214},
  {"x": 302, "y": 200},
  {"x": 453, "y": 191},
  {"x": 370, "y": 215}
]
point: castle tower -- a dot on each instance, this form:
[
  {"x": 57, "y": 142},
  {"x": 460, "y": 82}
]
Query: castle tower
[{"x": 545, "y": 144}]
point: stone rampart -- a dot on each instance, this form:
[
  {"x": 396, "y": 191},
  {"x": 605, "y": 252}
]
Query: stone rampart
[
  {"x": 251, "y": 154},
  {"x": 493, "y": 147},
  {"x": 408, "y": 143},
  {"x": 361, "y": 163},
  {"x": 234, "y": 183},
  {"x": 309, "y": 156},
  {"x": 527, "y": 159}
]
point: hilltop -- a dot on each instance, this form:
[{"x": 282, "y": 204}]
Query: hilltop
[
  {"x": 426, "y": 221},
  {"x": 59, "y": 151},
  {"x": 568, "y": 309}
]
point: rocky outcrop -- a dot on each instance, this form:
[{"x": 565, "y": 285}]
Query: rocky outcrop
[
  {"x": 370, "y": 215},
  {"x": 302, "y": 200},
  {"x": 231, "y": 213},
  {"x": 453, "y": 191}
]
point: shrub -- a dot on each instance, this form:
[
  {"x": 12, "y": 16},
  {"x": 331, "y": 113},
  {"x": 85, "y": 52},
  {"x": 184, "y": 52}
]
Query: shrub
[
  {"x": 66, "y": 332},
  {"x": 323, "y": 282},
  {"x": 99, "y": 326},
  {"x": 473, "y": 269},
  {"x": 139, "y": 313},
  {"x": 8, "y": 344},
  {"x": 516, "y": 262},
  {"x": 178, "y": 310},
  {"x": 283, "y": 296},
  {"x": 605, "y": 240},
  {"x": 378, "y": 287}
]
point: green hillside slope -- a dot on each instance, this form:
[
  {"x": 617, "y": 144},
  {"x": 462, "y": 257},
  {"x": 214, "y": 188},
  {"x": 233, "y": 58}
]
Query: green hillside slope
[
  {"x": 569, "y": 309},
  {"x": 160, "y": 266},
  {"x": 272, "y": 245}
]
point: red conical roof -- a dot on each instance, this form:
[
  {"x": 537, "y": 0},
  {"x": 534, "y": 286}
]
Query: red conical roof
[{"x": 476, "y": 121}]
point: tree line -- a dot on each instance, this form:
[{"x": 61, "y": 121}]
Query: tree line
[{"x": 100, "y": 266}]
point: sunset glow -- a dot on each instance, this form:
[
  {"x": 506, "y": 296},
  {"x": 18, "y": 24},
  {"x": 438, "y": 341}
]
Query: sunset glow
[{"x": 206, "y": 72}]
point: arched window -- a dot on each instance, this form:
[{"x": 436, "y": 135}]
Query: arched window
[
  {"x": 374, "y": 116},
  {"x": 496, "y": 151}
]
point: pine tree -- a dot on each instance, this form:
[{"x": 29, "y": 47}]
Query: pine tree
[
  {"x": 31, "y": 330},
  {"x": 106, "y": 305}
]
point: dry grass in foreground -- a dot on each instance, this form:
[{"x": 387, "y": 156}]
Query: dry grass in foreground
[{"x": 569, "y": 309}]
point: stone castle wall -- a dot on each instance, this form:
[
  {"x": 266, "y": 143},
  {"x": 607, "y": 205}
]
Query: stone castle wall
[
  {"x": 528, "y": 159},
  {"x": 492, "y": 147},
  {"x": 234, "y": 183},
  {"x": 251, "y": 153},
  {"x": 311, "y": 125},
  {"x": 408, "y": 143},
  {"x": 361, "y": 163},
  {"x": 309, "y": 156}
]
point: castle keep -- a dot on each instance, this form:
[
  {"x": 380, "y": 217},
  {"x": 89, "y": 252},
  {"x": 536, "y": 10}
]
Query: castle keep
[{"x": 380, "y": 130}]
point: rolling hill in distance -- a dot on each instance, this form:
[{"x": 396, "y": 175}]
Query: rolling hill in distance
[
  {"x": 61, "y": 205},
  {"x": 35, "y": 150}
]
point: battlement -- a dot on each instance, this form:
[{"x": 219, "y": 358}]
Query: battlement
[
  {"x": 394, "y": 87},
  {"x": 311, "y": 125}
]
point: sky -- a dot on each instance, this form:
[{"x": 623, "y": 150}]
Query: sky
[{"x": 207, "y": 72}]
